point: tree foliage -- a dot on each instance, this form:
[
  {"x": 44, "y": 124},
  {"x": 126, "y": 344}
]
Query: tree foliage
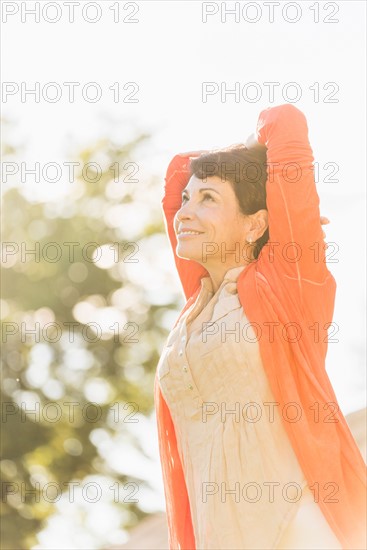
[{"x": 105, "y": 365}]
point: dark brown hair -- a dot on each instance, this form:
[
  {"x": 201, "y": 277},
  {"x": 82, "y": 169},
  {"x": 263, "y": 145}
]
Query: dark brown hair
[{"x": 245, "y": 170}]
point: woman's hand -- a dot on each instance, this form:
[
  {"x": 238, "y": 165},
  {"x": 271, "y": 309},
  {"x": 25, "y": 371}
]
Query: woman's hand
[
  {"x": 252, "y": 143},
  {"x": 193, "y": 153}
]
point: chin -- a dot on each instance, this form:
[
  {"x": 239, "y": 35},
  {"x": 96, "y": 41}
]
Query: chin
[{"x": 184, "y": 253}]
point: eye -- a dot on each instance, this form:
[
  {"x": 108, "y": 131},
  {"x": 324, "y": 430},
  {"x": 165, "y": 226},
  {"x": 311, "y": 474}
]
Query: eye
[{"x": 206, "y": 196}]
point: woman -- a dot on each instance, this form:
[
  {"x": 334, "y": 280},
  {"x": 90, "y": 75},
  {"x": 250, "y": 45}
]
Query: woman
[{"x": 255, "y": 451}]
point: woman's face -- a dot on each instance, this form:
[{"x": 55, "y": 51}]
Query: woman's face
[{"x": 210, "y": 209}]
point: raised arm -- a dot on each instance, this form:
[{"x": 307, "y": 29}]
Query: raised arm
[
  {"x": 177, "y": 176},
  {"x": 292, "y": 199}
]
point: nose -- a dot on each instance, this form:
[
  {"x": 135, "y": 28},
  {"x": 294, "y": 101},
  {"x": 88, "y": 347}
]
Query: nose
[{"x": 184, "y": 212}]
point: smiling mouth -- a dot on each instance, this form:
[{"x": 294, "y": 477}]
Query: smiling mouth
[{"x": 189, "y": 233}]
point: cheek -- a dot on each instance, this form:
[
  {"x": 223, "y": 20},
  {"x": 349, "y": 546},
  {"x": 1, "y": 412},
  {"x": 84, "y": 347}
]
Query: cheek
[
  {"x": 234, "y": 230},
  {"x": 223, "y": 221},
  {"x": 213, "y": 223}
]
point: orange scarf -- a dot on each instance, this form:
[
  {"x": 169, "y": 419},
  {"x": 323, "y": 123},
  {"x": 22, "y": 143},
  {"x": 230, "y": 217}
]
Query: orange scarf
[{"x": 290, "y": 305}]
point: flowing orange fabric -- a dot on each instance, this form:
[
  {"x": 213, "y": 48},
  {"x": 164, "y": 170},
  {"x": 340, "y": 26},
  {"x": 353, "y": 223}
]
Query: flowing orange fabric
[{"x": 288, "y": 296}]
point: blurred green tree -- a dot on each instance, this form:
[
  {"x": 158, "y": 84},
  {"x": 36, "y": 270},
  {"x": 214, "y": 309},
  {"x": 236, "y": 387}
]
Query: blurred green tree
[{"x": 105, "y": 363}]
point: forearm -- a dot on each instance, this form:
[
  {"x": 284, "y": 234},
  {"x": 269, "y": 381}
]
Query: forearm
[
  {"x": 291, "y": 195},
  {"x": 283, "y": 131}
]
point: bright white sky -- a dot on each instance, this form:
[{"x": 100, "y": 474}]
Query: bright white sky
[{"x": 169, "y": 53}]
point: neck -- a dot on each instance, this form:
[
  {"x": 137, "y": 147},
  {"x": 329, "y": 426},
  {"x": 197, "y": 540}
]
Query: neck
[{"x": 217, "y": 272}]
